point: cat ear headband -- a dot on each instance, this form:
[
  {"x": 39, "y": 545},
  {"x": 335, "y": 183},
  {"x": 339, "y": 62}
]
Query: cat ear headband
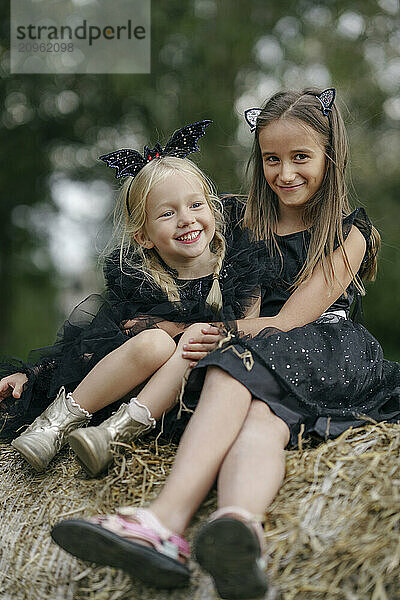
[
  {"x": 326, "y": 99},
  {"x": 130, "y": 162}
]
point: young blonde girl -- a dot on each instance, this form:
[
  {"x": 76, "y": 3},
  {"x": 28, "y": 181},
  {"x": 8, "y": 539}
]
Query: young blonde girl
[
  {"x": 167, "y": 276},
  {"x": 309, "y": 369}
]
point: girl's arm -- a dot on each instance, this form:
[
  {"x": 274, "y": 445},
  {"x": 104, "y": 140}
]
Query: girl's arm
[{"x": 314, "y": 297}]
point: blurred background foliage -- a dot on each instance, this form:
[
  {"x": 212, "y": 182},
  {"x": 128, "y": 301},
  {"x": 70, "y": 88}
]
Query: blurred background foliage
[{"x": 210, "y": 59}]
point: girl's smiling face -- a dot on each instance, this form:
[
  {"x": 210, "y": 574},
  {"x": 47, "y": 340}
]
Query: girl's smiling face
[
  {"x": 180, "y": 224},
  {"x": 293, "y": 157}
]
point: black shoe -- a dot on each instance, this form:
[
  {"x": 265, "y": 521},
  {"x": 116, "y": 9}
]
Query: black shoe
[{"x": 229, "y": 550}]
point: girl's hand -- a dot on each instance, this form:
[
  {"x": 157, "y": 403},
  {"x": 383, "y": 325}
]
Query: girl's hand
[
  {"x": 198, "y": 340},
  {"x": 12, "y": 385},
  {"x": 128, "y": 325}
]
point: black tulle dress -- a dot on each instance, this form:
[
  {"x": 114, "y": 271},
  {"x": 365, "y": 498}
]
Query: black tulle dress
[
  {"x": 321, "y": 378},
  {"x": 96, "y": 326}
]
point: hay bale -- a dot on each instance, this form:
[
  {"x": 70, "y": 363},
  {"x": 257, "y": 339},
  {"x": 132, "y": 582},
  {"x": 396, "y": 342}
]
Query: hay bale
[
  {"x": 335, "y": 525},
  {"x": 332, "y": 532}
]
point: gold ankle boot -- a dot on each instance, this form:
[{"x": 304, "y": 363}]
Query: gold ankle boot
[
  {"x": 93, "y": 445},
  {"x": 41, "y": 441}
]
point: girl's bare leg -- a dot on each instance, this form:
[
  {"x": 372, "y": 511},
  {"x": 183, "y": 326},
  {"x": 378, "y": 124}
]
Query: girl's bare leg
[
  {"x": 161, "y": 391},
  {"x": 214, "y": 426},
  {"x": 124, "y": 369},
  {"x": 254, "y": 467},
  {"x": 249, "y": 478}
]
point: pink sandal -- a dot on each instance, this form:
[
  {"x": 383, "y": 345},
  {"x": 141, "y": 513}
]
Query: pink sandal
[
  {"x": 114, "y": 540},
  {"x": 229, "y": 547}
]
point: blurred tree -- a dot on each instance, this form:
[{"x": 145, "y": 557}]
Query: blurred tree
[{"x": 210, "y": 59}]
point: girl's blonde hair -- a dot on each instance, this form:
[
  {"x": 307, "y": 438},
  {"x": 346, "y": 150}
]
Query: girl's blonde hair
[
  {"x": 324, "y": 212},
  {"x": 130, "y": 218}
]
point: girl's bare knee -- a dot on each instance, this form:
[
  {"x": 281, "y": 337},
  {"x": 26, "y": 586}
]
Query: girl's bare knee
[
  {"x": 218, "y": 374},
  {"x": 217, "y": 379},
  {"x": 271, "y": 424},
  {"x": 155, "y": 343}
]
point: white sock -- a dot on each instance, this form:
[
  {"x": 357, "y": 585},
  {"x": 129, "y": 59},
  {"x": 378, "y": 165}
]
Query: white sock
[
  {"x": 139, "y": 412},
  {"x": 76, "y": 408}
]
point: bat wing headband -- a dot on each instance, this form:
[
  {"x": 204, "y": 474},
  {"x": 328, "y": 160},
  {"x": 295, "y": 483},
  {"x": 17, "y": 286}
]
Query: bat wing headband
[
  {"x": 326, "y": 99},
  {"x": 130, "y": 162},
  {"x": 181, "y": 143}
]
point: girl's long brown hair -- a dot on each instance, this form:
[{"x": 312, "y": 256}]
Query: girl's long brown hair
[{"x": 324, "y": 212}]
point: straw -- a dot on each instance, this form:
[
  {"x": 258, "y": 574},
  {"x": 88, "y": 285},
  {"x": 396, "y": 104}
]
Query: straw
[{"x": 332, "y": 532}]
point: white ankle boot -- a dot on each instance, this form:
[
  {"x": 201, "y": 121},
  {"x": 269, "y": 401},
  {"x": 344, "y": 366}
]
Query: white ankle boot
[
  {"x": 93, "y": 445},
  {"x": 41, "y": 441}
]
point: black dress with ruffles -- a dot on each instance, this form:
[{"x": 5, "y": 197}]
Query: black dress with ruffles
[
  {"x": 321, "y": 378},
  {"x": 96, "y": 326}
]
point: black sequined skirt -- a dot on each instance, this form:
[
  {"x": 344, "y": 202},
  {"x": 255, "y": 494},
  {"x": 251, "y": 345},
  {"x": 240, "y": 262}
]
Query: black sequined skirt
[{"x": 331, "y": 374}]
